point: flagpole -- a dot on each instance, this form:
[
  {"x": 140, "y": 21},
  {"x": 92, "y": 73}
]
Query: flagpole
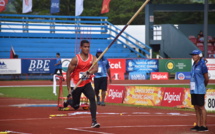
[{"x": 129, "y": 22}]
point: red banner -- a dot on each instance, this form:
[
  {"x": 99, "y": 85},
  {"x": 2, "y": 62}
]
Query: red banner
[
  {"x": 115, "y": 94},
  {"x": 105, "y": 6},
  {"x": 159, "y": 76},
  {"x": 3, "y": 4},
  {"x": 173, "y": 96},
  {"x": 117, "y": 68}
]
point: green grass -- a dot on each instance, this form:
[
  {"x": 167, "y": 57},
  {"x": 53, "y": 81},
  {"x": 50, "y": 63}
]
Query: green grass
[{"x": 43, "y": 93}]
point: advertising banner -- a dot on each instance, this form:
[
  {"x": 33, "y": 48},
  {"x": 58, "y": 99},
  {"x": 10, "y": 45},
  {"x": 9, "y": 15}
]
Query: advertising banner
[
  {"x": 174, "y": 65},
  {"x": 211, "y": 68},
  {"x": 187, "y": 98},
  {"x": 210, "y": 100},
  {"x": 141, "y": 95},
  {"x": 65, "y": 64},
  {"x": 38, "y": 65},
  {"x": 138, "y": 76},
  {"x": 117, "y": 68},
  {"x": 182, "y": 76},
  {"x": 55, "y": 6},
  {"x": 115, "y": 94},
  {"x": 159, "y": 76},
  {"x": 10, "y": 66},
  {"x": 140, "y": 69},
  {"x": 172, "y": 96}
]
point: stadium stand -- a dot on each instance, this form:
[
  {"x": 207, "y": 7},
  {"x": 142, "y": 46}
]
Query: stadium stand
[{"x": 40, "y": 36}]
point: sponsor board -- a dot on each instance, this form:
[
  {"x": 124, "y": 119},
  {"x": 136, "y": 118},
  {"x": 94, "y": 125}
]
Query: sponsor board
[
  {"x": 117, "y": 68},
  {"x": 115, "y": 94},
  {"x": 145, "y": 65},
  {"x": 140, "y": 69},
  {"x": 174, "y": 65},
  {"x": 138, "y": 76},
  {"x": 10, "y": 66},
  {"x": 182, "y": 76},
  {"x": 211, "y": 68},
  {"x": 159, "y": 76},
  {"x": 210, "y": 100},
  {"x": 172, "y": 96},
  {"x": 65, "y": 64},
  {"x": 141, "y": 95},
  {"x": 38, "y": 65}
]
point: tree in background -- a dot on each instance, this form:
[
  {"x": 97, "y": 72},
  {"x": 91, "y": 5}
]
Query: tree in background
[{"x": 120, "y": 11}]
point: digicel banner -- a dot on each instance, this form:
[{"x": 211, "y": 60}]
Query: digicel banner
[
  {"x": 117, "y": 68},
  {"x": 159, "y": 76},
  {"x": 115, "y": 94},
  {"x": 172, "y": 96}
]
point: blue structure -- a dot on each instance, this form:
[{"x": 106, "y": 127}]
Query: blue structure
[{"x": 41, "y": 36}]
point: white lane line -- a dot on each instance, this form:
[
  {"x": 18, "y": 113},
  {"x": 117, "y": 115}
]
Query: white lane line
[
  {"x": 137, "y": 126},
  {"x": 89, "y": 131},
  {"x": 83, "y": 129}
]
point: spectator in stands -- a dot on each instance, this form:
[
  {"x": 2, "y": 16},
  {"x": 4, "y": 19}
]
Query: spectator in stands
[
  {"x": 58, "y": 65},
  {"x": 198, "y": 82},
  {"x": 101, "y": 78},
  {"x": 200, "y": 37}
]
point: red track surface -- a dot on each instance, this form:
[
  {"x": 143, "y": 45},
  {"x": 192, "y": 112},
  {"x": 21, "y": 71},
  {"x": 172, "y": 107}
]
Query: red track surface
[{"x": 133, "y": 120}]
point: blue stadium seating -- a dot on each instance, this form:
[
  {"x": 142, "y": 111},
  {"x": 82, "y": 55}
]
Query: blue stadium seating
[{"x": 39, "y": 40}]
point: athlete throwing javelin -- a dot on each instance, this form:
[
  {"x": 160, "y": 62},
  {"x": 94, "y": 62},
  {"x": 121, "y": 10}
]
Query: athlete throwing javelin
[{"x": 78, "y": 67}]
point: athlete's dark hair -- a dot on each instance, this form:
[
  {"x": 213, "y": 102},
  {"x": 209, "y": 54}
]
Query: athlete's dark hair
[{"x": 84, "y": 41}]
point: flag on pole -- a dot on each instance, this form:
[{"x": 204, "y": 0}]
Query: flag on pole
[
  {"x": 55, "y": 6},
  {"x": 3, "y": 4},
  {"x": 12, "y": 53},
  {"x": 79, "y": 7},
  {"x": 26, "y": 6},
  {"x": 105, "y": 6}
]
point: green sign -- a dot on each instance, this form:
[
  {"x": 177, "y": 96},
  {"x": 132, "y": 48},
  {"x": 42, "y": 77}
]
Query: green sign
[{"x": 175, "y": 65}]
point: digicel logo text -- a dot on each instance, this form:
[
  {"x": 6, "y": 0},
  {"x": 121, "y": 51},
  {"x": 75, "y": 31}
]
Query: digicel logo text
[
  {"x": 115, "y": 65},
  {"x": 115, "y": 94},
  {"x": 171, "y": 97},
  {"x": 159, "y": 76}
]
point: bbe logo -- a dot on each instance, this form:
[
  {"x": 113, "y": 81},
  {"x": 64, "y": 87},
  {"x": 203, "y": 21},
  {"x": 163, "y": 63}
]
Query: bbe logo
[{"x": 39, "y": 65}]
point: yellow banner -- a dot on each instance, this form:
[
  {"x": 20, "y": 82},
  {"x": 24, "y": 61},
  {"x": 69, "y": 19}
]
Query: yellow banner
[{"x": 141, "y": 95}]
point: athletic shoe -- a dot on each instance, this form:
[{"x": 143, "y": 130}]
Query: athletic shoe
[
  {"x": 102, "y": 103},
  {"x": 202, "y": 129},
  {"x": 65, "y": 104},
  {"x": 98, "y": 103},
  {"x": 196, "y": 128},
  {"x": 95, "y": 125}
]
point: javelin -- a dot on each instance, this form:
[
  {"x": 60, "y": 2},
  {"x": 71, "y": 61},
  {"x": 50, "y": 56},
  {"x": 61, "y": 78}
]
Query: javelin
[{"x": 129, "y": 22}]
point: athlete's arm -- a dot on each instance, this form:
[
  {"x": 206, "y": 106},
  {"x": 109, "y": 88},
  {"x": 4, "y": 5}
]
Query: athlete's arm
[
  {"x": 206, "y": 79},
  {"x": 70, "y": 69}
]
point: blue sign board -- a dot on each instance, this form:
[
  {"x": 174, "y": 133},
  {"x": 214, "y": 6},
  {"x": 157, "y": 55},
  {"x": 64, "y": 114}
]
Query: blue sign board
[
  {"x": 182, "y": 75},
  {"x": 38, "y": 65},
  {"x": 140, "y": 69}
]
